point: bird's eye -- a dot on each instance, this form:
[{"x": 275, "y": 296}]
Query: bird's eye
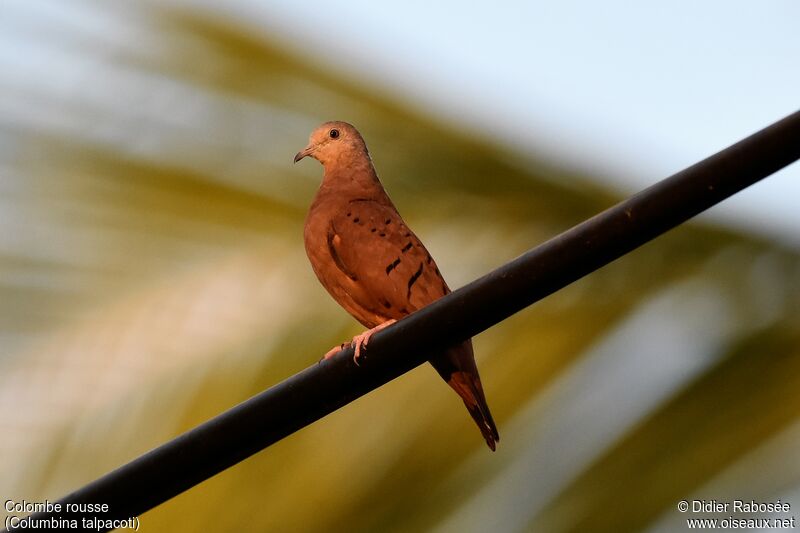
[{"x": 334, "y": 134}]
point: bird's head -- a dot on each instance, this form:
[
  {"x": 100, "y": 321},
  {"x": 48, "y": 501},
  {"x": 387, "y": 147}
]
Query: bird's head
[{"x": 331, "y": 141}]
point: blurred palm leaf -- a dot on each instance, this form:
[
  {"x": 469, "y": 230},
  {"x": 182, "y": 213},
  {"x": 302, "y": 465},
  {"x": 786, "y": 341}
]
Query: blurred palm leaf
[{"x": 152, "y": 274}]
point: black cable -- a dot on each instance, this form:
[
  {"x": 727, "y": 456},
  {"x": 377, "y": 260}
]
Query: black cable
[{"x": 306, "y": 397}]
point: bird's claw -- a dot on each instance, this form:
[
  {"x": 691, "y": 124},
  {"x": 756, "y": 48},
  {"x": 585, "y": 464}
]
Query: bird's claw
[
  {"x": 359, "y": 342},
  {"x": 333, "y": 351}
]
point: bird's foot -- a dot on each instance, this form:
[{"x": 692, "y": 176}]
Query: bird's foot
[
  {"x": 333, "y": 351},
  {"x": 361, "y": 340}
]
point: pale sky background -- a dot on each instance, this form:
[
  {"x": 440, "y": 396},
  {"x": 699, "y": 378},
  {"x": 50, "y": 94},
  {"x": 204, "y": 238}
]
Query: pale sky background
[{"x": 630, "y": 91}]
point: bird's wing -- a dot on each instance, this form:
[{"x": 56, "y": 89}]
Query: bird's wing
[
  {"x": 387, "y": 266},
  {"x": 387, "y": 272}
]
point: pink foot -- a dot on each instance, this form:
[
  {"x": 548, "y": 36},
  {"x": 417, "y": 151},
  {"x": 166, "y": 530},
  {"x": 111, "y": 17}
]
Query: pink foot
[
  {"x": 333, "y": 351},
  {"x": 360, "y": 341}
]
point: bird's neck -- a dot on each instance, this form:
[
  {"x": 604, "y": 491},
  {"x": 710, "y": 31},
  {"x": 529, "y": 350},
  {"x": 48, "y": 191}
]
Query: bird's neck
[{"x": 355, "y": 179}]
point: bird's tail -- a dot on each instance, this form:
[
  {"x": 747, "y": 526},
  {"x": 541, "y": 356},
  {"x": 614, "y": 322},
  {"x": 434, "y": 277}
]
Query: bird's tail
[
  {"x": 459, "y": 370},
  {"x": 471, "y": 392}
]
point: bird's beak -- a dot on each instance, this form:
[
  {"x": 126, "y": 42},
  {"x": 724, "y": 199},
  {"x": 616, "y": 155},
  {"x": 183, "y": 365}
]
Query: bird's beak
[{"x": 304, "y": 152}]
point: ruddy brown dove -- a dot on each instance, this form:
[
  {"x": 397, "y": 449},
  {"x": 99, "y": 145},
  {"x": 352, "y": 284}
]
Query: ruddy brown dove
[{"x": 372, "y": 263}]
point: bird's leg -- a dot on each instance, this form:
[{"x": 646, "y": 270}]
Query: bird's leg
[{"x": 361, "y": 340}]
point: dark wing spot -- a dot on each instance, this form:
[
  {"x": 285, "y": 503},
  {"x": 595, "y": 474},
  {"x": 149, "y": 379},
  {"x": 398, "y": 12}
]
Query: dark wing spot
[
  {"x": 437, "y": 272},
  {"x": 408, "y": 235},
  {"x": 404, "y": 310},
  {"x": 413, "y": 279},
  {"x": 388, "y": 221},
  {"x": 382, "y": 234},
  {"x": 336, "y": 259},
  {"x": 391, "y": 267},
  {"x": 430, "y": 259},
  {"x": 355, "y": 220},
  {"x": 386, "y": 303},
  {"x": 407, "y": 247},
  {"x": 373, "y": 230},
  {"x": 348, "y": 214}
]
